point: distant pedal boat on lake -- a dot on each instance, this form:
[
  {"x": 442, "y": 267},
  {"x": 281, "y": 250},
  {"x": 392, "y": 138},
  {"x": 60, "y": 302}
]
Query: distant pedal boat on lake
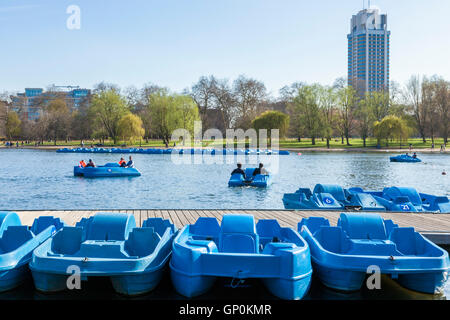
[
  {"x": 240, "y": 249},
  {"x": 17, "y": 243},
  {"x": 405, "y": 158},
  {"x": 259, "y": 180},
  {"x": 107, "y": 245},
  {"x": 341, "y": 255},
  {"x": 108, "y": 170}
]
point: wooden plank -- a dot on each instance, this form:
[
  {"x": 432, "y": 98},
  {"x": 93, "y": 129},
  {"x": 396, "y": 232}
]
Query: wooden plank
[
  {"x": 165, "y": 215},
  {"x": 144, "y": 215},
  {"x": 283, "y": 219},
  {"x": 151, "y": 213},
  {"x": 205, "y": 213},
  {"x": 420, "y": 221},
  {"x": 191, "y": 216},
  {"x": 174, "y": 217},
  {"x": 181, "y": 214},
  {"x": 137, "y": 217}
]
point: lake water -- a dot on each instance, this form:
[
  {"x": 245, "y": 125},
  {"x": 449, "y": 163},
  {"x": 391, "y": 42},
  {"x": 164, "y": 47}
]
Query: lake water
[
  {"x": 43, "y": 180},
  {"x": 99, "y": 288}
]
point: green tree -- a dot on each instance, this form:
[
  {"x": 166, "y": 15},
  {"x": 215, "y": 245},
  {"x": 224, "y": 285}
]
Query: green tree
[
  {"x": 12, "y": 125},
  {"x": 347, "y": 102},
  {"x": 131, "y": 128},
  {"x": 364, "y": 119},
  {"x": 328, "y": 102},
  {"x": 306, "y": 107},
  {"x": 170, "y": 112},
  {"x": 107, "y": 108},
  {"x": 378, "y": 103},
  {"x": 391, "y": 127},
  {"x": 188, "y": 110},
  {"x": 143, "y": 107},
  {"x": 272, "y": 120}
]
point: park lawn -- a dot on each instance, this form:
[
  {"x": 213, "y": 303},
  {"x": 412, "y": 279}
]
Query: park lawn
[
  {"x": 417, "y": 143},
  {"x": 335, "y": 143}
]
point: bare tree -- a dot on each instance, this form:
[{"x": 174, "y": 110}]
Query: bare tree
[
  {"x": 442, "y": 97},
  {"x": 414, "y": 98},
  {"x": 106, "y": 86},
  {"x": 224, "y": 102},
  {"x": 203, "y": 94},
  {"x": 249, "y": 95}
]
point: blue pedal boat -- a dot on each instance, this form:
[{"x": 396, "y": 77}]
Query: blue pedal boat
[
  {"x": 341, "y": 255},
  {"x": 330, "y": 197},
  {"x": 240, "y": 249},
  {"x": 258, "y": 181},
  {"x": 17, "y": 243},
  {"x": 407, "y": 200},
  {"x": 405, "y": 158},
  {"x": 107, "y": 245},
  {"x": 108, "y": 170}
]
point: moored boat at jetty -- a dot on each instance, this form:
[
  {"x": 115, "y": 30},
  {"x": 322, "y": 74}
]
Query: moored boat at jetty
[
  {"x": 107, "y": 245},
  {"x": 17, "y": 243},
  {"x": 408, "y": 200},
  {"x": 240, "y": 249},
  {"x": 330, "y": 197},
  {"x": 334, "y": 197},
  {"x": 343, "y": 255}
]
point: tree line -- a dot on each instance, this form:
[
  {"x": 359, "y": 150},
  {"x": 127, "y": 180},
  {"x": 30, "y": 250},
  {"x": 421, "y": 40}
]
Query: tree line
[{"x": 419, "y": 108}]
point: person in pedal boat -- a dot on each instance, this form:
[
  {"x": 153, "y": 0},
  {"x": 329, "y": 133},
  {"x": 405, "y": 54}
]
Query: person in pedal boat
[
  {"x": 130, "y": 163},
  {"x": 238, "y": 170},
  {"x": 90, "y": 163},
  {"x": 260, "y": 170}
]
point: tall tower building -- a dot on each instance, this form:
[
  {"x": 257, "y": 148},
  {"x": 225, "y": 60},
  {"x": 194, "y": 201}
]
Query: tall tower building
[{"x": 368, "y": 51}]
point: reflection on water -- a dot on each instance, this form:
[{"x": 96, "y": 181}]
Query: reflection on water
[
  {"x": 101, "y": 288},
  {"x": 34, "y": 179}
]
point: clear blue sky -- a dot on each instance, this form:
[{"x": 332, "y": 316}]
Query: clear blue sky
[{"x": 174, "y": 42}]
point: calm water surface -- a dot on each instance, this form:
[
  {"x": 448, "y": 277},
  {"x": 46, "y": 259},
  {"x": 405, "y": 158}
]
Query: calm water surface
[
  {"x": 35, "y": 179},
  {"x": 101, "y": 288}
]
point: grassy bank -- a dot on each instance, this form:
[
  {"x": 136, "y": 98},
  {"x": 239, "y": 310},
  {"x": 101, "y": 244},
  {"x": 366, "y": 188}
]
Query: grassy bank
[
  {"x": 335, "y": 144},
  {"x": 416, "y": 143}
]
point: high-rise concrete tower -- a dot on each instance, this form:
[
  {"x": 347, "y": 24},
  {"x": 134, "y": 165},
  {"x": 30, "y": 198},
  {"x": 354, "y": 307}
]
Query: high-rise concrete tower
[{"x": 368, "y": 51}]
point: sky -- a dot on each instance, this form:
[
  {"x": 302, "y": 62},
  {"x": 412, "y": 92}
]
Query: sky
[{"x": 173, "y": 42}]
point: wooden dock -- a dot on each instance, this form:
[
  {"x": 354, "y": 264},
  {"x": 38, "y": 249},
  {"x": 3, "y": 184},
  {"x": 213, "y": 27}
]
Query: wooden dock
[{"x": 434, "y": 226}]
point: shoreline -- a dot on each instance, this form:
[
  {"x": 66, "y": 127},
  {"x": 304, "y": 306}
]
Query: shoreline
[{"x": 294, "y": 150}]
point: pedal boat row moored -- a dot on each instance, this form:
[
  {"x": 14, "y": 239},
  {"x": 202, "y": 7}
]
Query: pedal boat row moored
[
  {"x": 334, "y": 197},
  {"x": 111, "y": 245},
  {"x": 206, "y": 151}
]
